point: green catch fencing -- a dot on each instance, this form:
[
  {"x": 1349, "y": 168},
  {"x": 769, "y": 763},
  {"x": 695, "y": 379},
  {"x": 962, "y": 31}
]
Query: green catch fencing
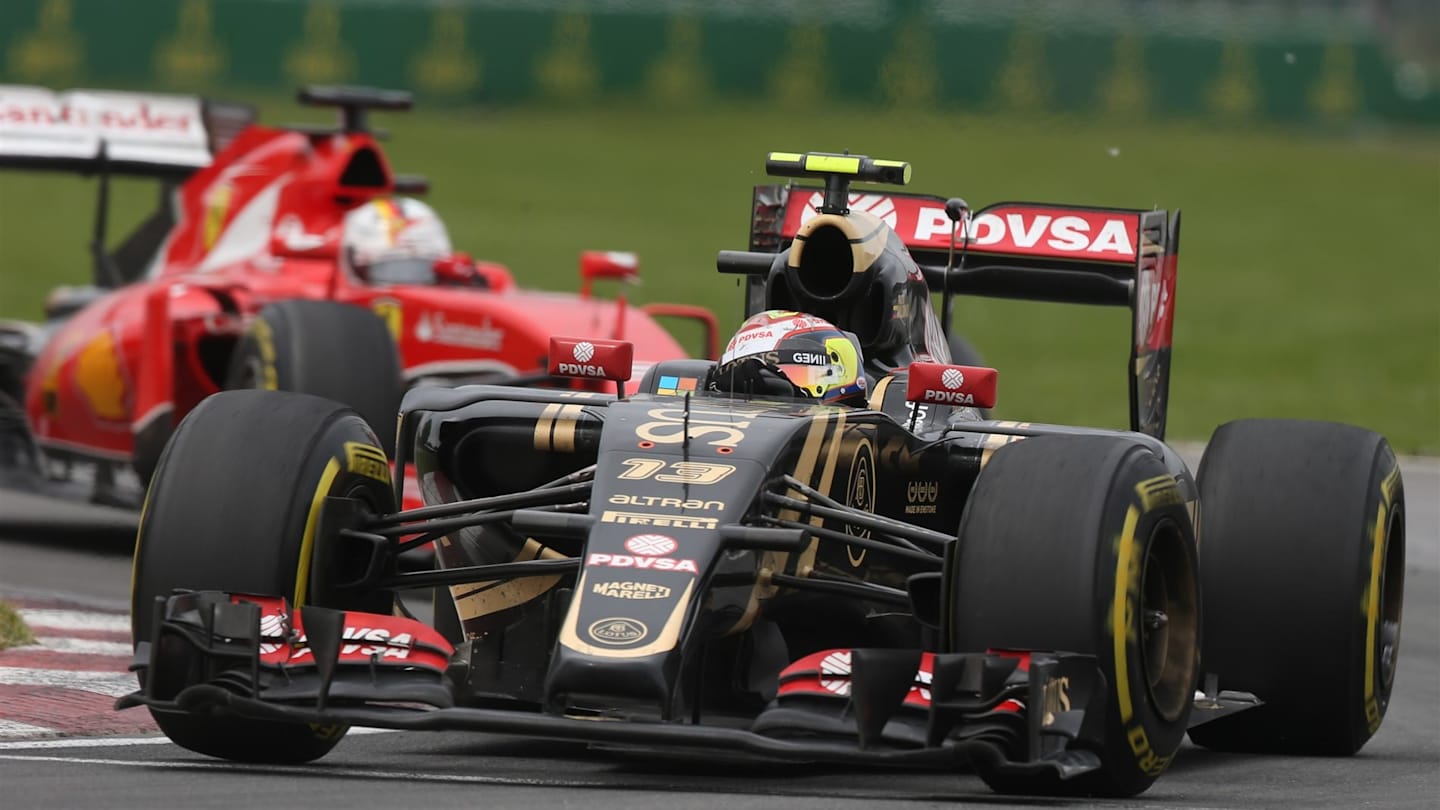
[{"x": 1323, "y": 64}]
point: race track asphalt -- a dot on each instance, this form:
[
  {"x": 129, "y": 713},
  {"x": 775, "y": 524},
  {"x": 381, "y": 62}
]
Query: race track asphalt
[{"x": 88, "y": 565}]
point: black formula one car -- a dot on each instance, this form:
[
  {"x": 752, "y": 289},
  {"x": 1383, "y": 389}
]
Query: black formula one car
[{"x": 906, "y": 584}]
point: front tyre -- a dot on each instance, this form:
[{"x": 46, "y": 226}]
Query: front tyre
[
  {"x": 234, "y": 506},
  {"x": 326, "y": 348},
  {"x": 1302, "y": 561},
  {"x": 1083, "y": 544}
]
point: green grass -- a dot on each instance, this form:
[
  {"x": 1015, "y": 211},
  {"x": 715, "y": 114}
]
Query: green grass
[
  {"x": 13, "y": 632},
  {"x": 1309, "y": 284}
]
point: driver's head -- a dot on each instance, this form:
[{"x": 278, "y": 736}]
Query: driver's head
[
  {"x": 784, "y": 353},
  {"x": 394, "y": 240}
]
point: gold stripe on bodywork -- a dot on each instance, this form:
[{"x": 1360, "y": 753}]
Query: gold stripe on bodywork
[
  {"x": 476, "y": 599},
  {"x": 868, "y": 237},
  {"x": 995, "y": 441},
  {"x": 777, "y": 560},
  {"x": 877, "y": 395},
  {"x": 563, "y": 437},
  {"x": 827, "y": 479},
  {"x": 545, "y": 425},
  {"x": 664, "y": 641}
]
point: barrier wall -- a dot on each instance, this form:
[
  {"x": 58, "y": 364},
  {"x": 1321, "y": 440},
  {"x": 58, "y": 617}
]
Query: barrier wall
[{"x": 1138, "y": 59}]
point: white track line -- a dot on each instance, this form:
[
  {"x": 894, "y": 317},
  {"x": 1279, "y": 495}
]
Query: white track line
[
  {"x": 39, "y": 618},
  {"x": 105, "y": 742},
  {"x": 114, "y": 684},
  {"x": 78, "y": 645},
  {"x": 341, "y": 771},
  {"x": 82, "y": 742},
  {"x": 12, "y": 728}
]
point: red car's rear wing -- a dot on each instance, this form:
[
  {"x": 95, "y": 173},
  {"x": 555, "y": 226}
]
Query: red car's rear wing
[
  {"x": 1032, "y": 251},
  {"x": 138, "y": 134}
]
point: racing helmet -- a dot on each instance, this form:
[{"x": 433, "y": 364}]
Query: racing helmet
[
  {"x": 393, "y": 241},
  {"x": 787, "y": 353}
]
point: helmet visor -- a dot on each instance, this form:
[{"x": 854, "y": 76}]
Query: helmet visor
[{"x": 401, "y": 271}]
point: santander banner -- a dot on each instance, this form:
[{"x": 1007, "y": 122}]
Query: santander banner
[
  {"x": 150, "y": 128},
  {"x": 591, "y": 357},
  {"x": 1017, "y": 229},
  {"x": 940, "y": 384}
]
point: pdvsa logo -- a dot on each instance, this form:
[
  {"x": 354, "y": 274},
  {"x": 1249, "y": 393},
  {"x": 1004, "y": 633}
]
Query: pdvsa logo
[
  {"x": 582, "y": 352},
  {"x": 952, "y": 379},
  {"x": 651, "y": 545}
]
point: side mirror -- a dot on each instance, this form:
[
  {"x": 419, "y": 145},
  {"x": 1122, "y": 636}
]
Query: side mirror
[
  {"x": 592, "y": 359},
  {"x": 457, "y": 268},
  {"x": 606, "y": 264},
  {"x": 967, "y": 386},
  {"x": 496, "y": 277}
]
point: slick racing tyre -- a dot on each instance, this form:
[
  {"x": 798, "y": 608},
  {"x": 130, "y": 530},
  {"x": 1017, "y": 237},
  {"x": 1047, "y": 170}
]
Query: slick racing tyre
[
  {"x": 233, "y": 507},
  {"x": 332, "y": 350},
  {"x": 1083, "y": 544},
  {"x": 19, "y": 455},
  {"x": 1302, "y": 563}
]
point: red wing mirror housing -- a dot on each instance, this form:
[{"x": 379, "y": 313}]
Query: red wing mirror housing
[
  {"x": 592, "y": 358},
  {"x": 457, "y": 268},
  {"x": 941, "y": 384},
  {"x": 606, "y": 264},
  {"x": 496, "y": 276}
]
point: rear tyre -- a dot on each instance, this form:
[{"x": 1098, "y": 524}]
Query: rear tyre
[
  {"x": 1061, "y": 531},
  {"x": 233, "y": 507},
  {"x": 1303, "y": 568},
  {"x": 332, "y": 350}
]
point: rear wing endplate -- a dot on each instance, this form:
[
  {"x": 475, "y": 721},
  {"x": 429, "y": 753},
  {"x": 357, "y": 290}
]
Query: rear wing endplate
[
  {"x": 135, "y": 134},
  {"x": 1031, "y": 251}
]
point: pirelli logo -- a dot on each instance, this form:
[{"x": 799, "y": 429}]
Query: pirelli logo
[
  {"x": 653, "y": 519},
  {"x": 1158, "y": 491},
  {"x": 367, "y": 460}
]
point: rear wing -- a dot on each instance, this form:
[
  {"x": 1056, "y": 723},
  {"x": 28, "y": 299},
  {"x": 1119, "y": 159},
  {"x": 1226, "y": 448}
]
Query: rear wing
[
  {"x": 93, "y": 131},
  {"x": 1031, "y": 251}
]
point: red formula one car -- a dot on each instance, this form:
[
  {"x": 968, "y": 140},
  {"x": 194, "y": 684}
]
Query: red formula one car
[{"x": 271, "y": 254}]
